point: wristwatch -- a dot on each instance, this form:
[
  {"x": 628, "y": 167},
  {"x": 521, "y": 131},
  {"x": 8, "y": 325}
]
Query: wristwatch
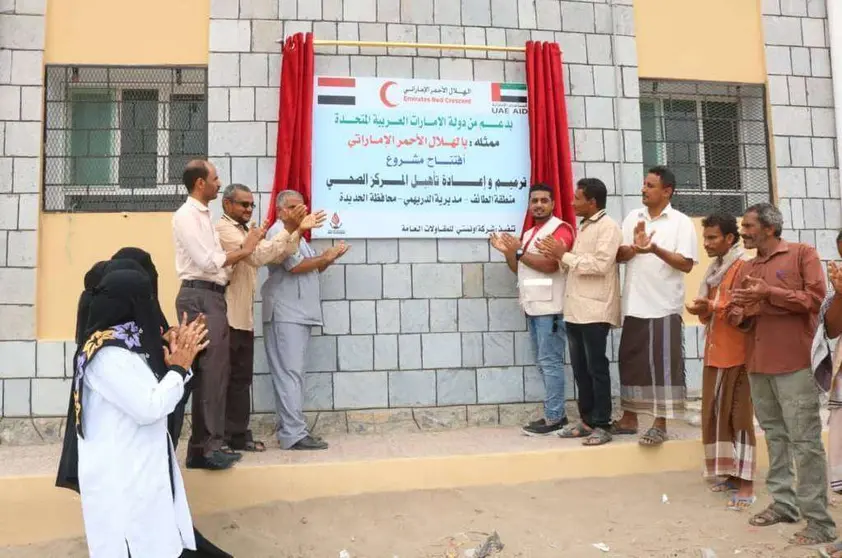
[{"x": 518, "y": 254}]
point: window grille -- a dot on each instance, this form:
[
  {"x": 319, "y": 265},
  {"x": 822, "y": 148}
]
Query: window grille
[
  {"x": 117, "y": 138},
  {"x": 714, "y": 137}
]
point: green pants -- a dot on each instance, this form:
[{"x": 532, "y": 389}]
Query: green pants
[{"x": 787, "y": 407}]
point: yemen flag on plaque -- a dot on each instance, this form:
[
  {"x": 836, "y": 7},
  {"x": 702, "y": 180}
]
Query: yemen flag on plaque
[
  {"x": 508, "y": 93},
  {"x": 336, "y": 91}
]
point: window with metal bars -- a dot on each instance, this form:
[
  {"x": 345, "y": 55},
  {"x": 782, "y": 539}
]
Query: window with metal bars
[
  {"x": 117, "y": 138},
  {"x": 714, "y": 137}
]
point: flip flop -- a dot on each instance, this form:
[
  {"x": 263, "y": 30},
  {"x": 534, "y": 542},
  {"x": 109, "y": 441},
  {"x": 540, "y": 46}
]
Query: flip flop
[{"x": 740, "y": 503}]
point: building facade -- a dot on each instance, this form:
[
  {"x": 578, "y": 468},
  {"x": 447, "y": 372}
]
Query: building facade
[{"x": 97, "y": 120}]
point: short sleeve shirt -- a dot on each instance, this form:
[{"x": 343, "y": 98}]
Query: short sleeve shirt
[
  {"x": 292, "y": 297},
  {"x": 653, "y": 288}
]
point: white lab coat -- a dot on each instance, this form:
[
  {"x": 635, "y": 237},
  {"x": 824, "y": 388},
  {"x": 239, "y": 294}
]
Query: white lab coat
[{"x": 127, "y": 501}]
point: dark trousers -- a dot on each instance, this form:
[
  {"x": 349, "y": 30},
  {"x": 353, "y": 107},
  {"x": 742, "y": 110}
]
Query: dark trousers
[
  {"x": 238, "y": 401},
  {"x": 211, "y": 370},
  {"x": 590, "y": 368},
  {"x": 175, "y": 420}
]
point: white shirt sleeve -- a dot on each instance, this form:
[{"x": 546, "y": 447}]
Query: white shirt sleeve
[
  {"x": 628, "y": 228},
  {"x": 203, "y": 249},
  {"x": 122, "y": 378},
  {"x": 686, "y": 242}
]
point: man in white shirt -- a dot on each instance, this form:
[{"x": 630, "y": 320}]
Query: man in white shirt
[
  {"x": 204, "y": 270},
  {"x": 541, "y": 294},
  {"x": 659, "y": 248}
]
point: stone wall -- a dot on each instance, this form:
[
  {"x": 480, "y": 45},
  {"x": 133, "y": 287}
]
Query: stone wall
[
  {"x": 22, "y": 381},
  {"x": 418, "y": 323},
  {"x": 802, "y": 121}
]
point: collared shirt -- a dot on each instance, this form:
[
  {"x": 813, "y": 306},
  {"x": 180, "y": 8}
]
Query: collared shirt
[
  {"x": 592, "y": 294},
  {"x": 292, "y": 297},
  {"x": 542, "y": 294},
  {"x": 653, "y": 288},
  {"x": 239, "y": 295},
  {"x": 781, "y": 328},
  {"x": 124, "y": 467},
  {"x": 725, "y": 345},
  {"x": 198, "y": 252}
]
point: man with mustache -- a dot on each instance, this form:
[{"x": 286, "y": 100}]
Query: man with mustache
[
  {"x": 777, "y": 304},
  {"x": 204, "y": 269},
  {"x": 659, "y": 249}
]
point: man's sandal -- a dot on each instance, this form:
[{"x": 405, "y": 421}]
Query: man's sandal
[
  {"x": 770, "y": 516},
  {"x": 578, "y": 430},
  {"x": 598, "y": 437},
  {"x": 740, "y": 503},
  {"x": 810, "y": 537},
  {"x": 618, "y": 430},
  {"x": 653, "y": 437},
  {"x": 831, "y": 551}
]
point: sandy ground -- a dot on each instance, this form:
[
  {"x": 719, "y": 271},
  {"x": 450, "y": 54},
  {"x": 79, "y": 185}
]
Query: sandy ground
[{"x": 541, "y": 520}]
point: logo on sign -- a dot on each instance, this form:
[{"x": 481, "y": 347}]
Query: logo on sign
[
  {"x": 335, "y": 221},
  {"x": 384, "y": 94}
]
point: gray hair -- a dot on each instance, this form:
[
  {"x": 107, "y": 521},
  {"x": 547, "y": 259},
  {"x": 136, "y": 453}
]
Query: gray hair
[
  {"x": 283, "y": 195},
  {"x": 228, "y": 193},
  {"x": 769, "y": 216}
]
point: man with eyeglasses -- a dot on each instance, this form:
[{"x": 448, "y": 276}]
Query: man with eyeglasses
[{"x": 238, "y": 205}]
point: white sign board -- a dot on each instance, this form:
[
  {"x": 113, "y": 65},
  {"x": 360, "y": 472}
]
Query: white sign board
[{"x": 397, "y": 158}]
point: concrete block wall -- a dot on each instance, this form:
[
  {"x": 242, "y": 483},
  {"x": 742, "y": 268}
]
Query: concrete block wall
[
  {"x": 25, "y": 383},
  {"x": 426, "y": 322},
  {"x": 802, "y": 121}
]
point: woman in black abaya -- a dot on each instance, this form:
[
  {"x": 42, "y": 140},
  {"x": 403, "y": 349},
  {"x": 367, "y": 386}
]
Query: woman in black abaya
[{"x": 68, "y": 477}]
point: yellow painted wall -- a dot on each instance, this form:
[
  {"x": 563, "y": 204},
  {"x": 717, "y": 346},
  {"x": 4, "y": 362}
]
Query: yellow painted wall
[
  {"x": 70, "y": 244},
  {"x": 111, "y": 32},
  {"x": 152, "y": 32},
  {"x": 706, "y": 40}
]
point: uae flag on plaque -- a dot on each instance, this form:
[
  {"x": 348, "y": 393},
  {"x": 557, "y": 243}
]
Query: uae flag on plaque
[
  {"x": 508, "y": 93},
  {"x": 336, "y": 91}
]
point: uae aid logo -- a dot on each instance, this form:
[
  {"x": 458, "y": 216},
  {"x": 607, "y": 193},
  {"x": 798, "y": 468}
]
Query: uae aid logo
[{"x": 335, "y": 221}]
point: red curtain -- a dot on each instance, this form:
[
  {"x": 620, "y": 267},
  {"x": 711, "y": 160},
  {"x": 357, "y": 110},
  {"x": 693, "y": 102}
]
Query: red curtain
[
  {"x": 549, "y": 140},
  {"x": 293, "y": 163}
]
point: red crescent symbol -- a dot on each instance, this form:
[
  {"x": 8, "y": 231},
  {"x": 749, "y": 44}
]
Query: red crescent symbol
[{"x": 383, "y": 91}]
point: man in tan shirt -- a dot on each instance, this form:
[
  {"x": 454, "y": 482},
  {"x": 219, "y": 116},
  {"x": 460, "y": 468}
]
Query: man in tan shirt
[
  {"x": 591, "y": 306},
  {"x": 232, "y": 228}
]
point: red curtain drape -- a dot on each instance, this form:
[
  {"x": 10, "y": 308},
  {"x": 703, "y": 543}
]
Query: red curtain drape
[
  {"x": 549, "y": 139},
  {"x": 293, "y": 163}
]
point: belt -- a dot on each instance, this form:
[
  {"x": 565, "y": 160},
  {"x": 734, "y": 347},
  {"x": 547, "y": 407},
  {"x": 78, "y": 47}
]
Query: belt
[{"x": 206, "y": 285}]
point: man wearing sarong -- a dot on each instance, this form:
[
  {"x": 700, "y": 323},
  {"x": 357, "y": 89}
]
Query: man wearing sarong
[
  {"x": 727, "y": 414},
  {"x": 777, "y": 303},
  {"x": 830, "y": 327},
  {"x": 659, "y": 249}
]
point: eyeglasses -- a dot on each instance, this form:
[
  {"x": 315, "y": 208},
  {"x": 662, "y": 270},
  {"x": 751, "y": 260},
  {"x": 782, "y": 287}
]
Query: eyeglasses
[{"x": 246, "y": 205}]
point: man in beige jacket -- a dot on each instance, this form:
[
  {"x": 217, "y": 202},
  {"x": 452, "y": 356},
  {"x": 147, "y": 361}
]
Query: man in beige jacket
[
  {"x": 591, "y": 307},
  {"x": 238, "y": 205}
]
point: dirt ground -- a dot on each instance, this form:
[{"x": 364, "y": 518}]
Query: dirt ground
[{"x": 541, "y": 520}]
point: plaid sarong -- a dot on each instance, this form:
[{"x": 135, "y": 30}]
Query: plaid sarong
[{"x": 652, "y": 374}]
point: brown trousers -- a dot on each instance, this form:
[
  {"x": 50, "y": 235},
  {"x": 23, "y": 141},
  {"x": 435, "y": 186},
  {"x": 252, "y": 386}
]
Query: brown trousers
[
  {"x": 211, "y": 370},
  {"x": 238, "y": 402}
]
